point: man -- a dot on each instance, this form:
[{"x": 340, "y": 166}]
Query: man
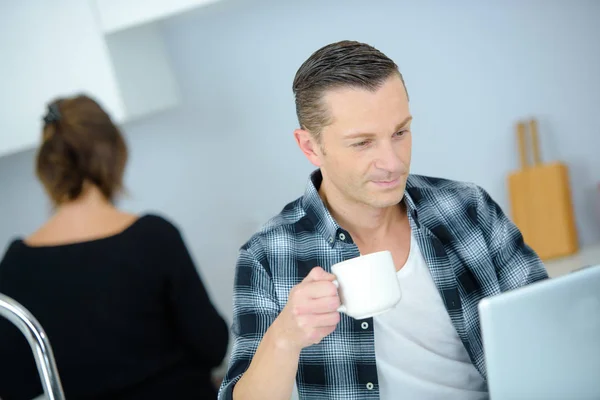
[{"x": 451, "y": 243}]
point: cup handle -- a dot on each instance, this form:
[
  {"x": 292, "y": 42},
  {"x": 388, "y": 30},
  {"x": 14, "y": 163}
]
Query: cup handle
[{"x": 341, "y": 308}]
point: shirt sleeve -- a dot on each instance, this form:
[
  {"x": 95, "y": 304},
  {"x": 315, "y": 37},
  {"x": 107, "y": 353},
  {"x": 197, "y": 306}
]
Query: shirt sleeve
[
  {"x": 255, "y": 307},
  {"x": 196, "y": 318},
  {"x": 516, "y": 263}
]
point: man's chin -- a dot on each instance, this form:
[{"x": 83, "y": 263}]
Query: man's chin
[{"x": 389, "y": 200}]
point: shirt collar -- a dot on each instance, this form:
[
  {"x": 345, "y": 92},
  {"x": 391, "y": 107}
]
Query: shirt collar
[{"x": 319, "y": 215}]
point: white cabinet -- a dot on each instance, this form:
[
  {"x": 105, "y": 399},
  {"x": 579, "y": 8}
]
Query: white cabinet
[
  {"x": 142, "y": 66},
  {"x": 47, "y": 49},
  {"x": 116, "y": 15},
  {"x": 112, "y": 50}
]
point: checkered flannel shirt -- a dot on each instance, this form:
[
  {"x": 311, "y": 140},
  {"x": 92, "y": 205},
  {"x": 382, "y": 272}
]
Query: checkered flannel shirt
[{"x": 472, "y": 249}]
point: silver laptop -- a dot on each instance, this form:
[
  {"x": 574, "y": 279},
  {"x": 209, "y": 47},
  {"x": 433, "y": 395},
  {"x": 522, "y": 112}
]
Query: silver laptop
[{"x": 542, "y": 341}]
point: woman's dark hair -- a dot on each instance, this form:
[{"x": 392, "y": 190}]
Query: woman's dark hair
[{"x": 80, "y": 145}]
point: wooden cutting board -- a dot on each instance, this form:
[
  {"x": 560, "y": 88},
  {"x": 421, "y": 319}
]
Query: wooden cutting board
[{"x": 540, "y": 200}]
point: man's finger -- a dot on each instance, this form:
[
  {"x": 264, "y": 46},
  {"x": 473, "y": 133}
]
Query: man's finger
[{"x": 318, "y": 274}]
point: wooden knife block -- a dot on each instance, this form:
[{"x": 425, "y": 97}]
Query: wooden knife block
[{"x": 540, "y": 200}]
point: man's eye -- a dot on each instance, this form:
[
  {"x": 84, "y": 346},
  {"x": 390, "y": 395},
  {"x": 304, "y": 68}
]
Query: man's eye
[{"x": 361, "y": 144}]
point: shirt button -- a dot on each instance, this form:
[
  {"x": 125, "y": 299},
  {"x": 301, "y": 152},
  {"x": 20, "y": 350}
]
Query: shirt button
[
  {"x": 364, "y": 325},
  {"x": 342, "y": 237},
  {"x": 330, "y": 239},
  {"x": 369, "y": 386}
]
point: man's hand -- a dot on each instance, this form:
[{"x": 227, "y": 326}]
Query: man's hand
[{"x": 311, "y": 311}]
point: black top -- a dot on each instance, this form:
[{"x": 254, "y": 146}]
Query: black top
[{"x": 127, "y": 317}]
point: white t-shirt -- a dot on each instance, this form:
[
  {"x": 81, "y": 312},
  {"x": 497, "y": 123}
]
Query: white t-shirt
[{"x": 419, "y": 354}]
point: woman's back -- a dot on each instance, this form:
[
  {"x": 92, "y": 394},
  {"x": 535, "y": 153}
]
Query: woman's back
[
  {"x": 119, "y": 297},
  {"x": 126, "y": 314}
]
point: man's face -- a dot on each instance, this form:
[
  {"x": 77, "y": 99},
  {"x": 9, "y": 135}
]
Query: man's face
[{"x": 364, "y": 154}]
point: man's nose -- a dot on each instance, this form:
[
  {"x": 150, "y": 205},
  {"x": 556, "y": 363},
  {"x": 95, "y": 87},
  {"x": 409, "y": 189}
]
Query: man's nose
[{"x": 387, "y": 157}]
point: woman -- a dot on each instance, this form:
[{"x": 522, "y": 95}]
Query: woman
[{"x": 124, "y": 308}]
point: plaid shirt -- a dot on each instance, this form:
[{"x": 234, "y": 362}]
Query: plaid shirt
[{"x": 471, "y": 247}]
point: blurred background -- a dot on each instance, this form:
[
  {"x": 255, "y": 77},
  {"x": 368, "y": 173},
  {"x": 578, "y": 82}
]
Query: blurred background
[{"x": 202, "y": 91}]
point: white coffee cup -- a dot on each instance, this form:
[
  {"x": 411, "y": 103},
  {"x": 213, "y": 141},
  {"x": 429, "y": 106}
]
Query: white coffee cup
[{"x": 367, "y": 285}]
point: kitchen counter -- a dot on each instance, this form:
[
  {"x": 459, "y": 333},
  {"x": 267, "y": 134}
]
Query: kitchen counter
[{"x": 587, "y": 256}]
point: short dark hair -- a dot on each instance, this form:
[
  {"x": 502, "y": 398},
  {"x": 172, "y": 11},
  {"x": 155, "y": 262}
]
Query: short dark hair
[
  {"x": 80, "y": 144},
  {"x": 345, "y": 63}
]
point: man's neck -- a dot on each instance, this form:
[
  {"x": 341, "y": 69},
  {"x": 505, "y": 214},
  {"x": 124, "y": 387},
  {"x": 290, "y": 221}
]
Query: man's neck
[{"x": 365, "y": 223}]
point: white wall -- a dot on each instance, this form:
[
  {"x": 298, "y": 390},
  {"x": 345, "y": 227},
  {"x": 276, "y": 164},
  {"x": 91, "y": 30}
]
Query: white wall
[{"x": 226, "y": 160}]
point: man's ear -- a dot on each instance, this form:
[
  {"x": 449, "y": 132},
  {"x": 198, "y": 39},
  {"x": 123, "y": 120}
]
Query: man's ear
[{"x": 309, "y": 146}]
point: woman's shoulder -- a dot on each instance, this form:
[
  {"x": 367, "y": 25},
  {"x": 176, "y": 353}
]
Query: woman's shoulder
[
  {"x": 156, "y": 219},
  {"x": 154, "y": 223},
  {"x": 156, "y": 234},
  {"x": 15, "y": 246},
  {"x": 12, "y": 254}
]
